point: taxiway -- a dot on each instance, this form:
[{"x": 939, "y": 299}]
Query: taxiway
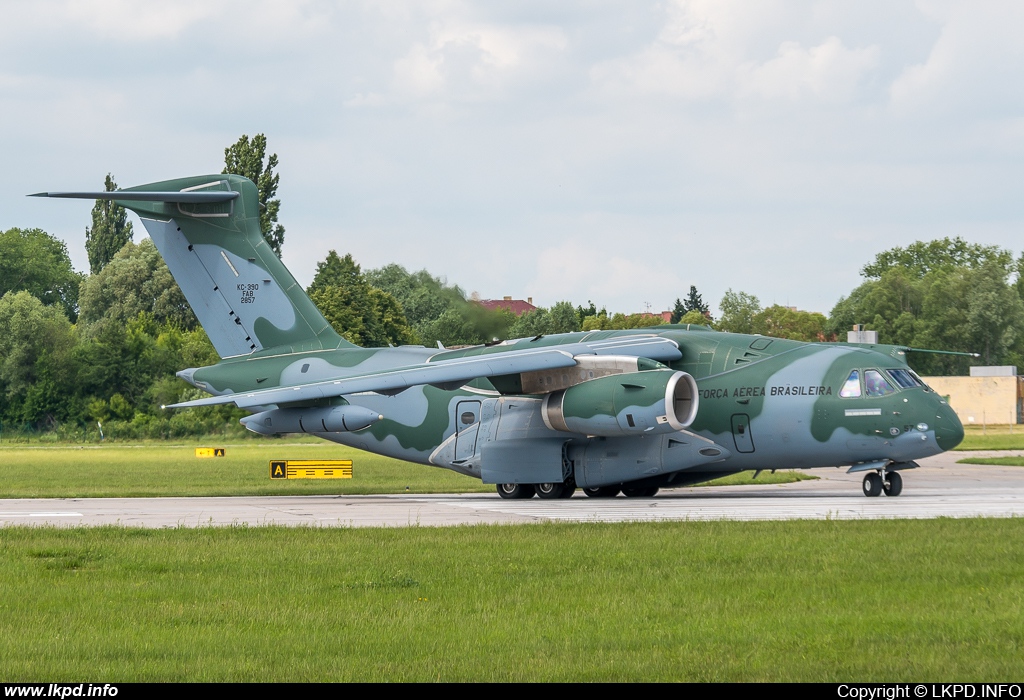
[{"x": 940, "y": 488}]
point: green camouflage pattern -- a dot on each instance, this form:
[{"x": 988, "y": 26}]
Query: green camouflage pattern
[{"x": 758, "y": 403}]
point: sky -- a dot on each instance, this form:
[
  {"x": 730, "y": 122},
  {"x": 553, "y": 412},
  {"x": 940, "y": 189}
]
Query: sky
[{"x": 610, "y": 151}]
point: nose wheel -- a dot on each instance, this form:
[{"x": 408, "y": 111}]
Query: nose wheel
[
  {"x": 892, "y": 485},
  {"x": 889, "y": 483}
]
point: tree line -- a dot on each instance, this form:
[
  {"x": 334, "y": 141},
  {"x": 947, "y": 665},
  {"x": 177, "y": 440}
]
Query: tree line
[{"x": 79, "y": 351}]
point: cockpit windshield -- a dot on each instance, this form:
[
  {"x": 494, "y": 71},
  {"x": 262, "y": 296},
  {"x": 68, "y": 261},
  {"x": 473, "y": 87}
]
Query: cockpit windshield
[
  {"x": 851, "y": 387},
  {"x": 875, "y": 384},
  {"x": 904, "y": 378}
]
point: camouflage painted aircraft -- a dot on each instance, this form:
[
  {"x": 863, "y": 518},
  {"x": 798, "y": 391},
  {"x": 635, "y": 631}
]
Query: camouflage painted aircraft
[{"x": 607, "y": 411}]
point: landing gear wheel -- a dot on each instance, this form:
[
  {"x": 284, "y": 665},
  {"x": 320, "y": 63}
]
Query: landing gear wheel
[
  {"x": 640, "y": 492},
  {"x": 549, "y": 490},
  {"x": 872, "y": 484},
  {"x": 568, "y": 488},
  {"x": 603, "y": 492},
  {"x": 515, "y": 490},
  {"x": 893, "y": 485}
]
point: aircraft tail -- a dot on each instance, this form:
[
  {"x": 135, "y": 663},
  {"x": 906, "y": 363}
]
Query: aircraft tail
[{"x": 207, "y": 229}]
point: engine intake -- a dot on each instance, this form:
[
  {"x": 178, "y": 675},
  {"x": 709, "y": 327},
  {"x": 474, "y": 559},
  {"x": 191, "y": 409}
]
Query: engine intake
[{"x": 655, "y": 401}]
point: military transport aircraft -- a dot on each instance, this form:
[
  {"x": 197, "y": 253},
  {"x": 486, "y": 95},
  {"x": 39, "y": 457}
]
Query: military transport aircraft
[{"x": 607, "y": 411}]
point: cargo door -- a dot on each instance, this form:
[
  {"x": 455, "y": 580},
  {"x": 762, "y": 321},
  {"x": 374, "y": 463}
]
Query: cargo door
[{"x": 467, "y": 426}]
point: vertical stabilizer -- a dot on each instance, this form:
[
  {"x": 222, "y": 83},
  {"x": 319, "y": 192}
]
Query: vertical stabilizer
[{"x": 207, "y": 230}]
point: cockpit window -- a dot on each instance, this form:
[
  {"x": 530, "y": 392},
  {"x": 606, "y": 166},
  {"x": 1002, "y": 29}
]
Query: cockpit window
[
  {"x": 905, "y": 378},
  {"x": 875, "y": 384},
  {"x": 851, "y": 388}
]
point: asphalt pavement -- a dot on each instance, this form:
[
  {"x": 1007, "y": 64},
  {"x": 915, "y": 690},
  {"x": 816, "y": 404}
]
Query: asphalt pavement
[{"x": 940, "y": 488}]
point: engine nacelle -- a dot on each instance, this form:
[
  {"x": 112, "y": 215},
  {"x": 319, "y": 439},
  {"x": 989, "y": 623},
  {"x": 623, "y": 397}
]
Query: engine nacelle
[
  {"x": 655, "y": 401},
  {"x": 331, "y": 419}
]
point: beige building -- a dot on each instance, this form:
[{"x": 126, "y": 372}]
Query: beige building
[{"x": 983, "y": 400}]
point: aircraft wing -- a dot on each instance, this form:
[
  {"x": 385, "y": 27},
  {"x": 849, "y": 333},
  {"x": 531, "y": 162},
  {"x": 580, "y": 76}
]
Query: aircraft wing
[
  {"x": 451, "y": 373},
  {"x": 460, "y": 370}
]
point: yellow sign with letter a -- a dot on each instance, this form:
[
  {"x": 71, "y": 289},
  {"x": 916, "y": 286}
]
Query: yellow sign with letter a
[
  {"x": 311, "y": 469},
  {"x": 209, "y": 452}
]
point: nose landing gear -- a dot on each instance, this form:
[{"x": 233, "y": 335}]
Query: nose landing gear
[
  {"x": 892, "y": 485},
  {"x": 888, "y": 482}
]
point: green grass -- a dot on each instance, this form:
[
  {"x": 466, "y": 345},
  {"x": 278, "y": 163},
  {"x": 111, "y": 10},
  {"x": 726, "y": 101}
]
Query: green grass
[
  {"x": 173, "y": 470},
  {"x": 993, "y": 437},
  {"x": 899, "y": 600},
  {"x": 998, "y": 461}
]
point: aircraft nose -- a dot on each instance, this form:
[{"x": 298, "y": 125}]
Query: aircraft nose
[{"x": 949, "y": 431}]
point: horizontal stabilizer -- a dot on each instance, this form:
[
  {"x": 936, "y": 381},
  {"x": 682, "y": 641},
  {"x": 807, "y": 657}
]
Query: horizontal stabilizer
[{"x": 125, "y": 196}]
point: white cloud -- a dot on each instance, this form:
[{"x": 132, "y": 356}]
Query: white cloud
[
  {"x": 975, "y": 64},
  {"x": 473, "y": 61},
  {"x": 601, "y": 269},
  {"x": 137, "y": 21},
  {"x": 705, "y": 50},
  {"x": 829, "y": 71}
]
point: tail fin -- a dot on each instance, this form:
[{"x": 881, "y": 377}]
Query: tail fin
[{"x": 207, "y": 230}]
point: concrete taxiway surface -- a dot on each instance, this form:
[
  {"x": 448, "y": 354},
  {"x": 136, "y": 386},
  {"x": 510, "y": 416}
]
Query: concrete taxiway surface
[{"x": 940, "y": 488}]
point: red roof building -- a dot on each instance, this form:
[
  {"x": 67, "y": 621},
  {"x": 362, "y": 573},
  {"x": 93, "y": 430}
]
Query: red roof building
[{"x": 516, "y": 306}]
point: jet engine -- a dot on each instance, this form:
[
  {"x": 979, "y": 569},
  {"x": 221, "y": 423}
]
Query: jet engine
[
  {"x": 654, "y": 401},
  {"x": 332, "y": 419}
]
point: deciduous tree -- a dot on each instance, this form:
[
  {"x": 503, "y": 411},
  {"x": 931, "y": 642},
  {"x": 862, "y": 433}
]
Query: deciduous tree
[
  {"x": 248, "y": 158},
  {"x": 109, "y": 232},
  {"x": 36, "y": 262}
]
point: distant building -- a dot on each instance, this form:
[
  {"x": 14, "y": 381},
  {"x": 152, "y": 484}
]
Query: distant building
[
  {"x": 859, "y": 335},
  {"x": 990, "y": 395},
  {"x": 516, "y": 306},
  {"x": 665, "y": 316}
]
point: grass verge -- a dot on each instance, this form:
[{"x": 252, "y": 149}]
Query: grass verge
[
  {"x": 998, "y": 461},
  {"x": 993, "y": 437},
  {"x": 722, "y": 601},
  {"x": 174, "y": 470}
]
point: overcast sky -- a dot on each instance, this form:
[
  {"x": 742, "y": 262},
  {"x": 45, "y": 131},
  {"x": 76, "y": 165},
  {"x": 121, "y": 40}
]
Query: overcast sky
[{"x": 613, "y": 151}]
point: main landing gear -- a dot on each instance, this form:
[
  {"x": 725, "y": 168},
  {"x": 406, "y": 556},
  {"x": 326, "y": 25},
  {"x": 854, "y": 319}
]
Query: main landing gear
[
  {"x": 890, "y": 483},
  {"x": 546, "y": 491},
  {"x": 567, "y": 489}
]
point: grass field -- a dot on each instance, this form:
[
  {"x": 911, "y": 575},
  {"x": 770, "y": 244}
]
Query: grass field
[
  {"x": 992, "y": 437},
  {"x": 998, "y": 461},
  {"x": 769, "y": 601},
  {"x": 173, "y": 470}
]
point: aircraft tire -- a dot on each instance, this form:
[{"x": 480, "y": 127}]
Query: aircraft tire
[
  {"x": 640, "y": 492},
  {"x": 893, "y": 484},
  {"x": 515, "y": 490},
  {"x": 603, "y": 492},
  {"x": 568, "y": 489},
  {"x": 549, "y": 490},
  {"x": 872, "y": 484}
]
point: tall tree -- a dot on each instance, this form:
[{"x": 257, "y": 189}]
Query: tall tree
[
  {"x": 246, "y": 158},
  {"x": 694, "y": 302},
  {"x": 945, "y": 294},
  {"x": 738, "y": 312},
  {"x": 36, "y": 262},
  {"x": 678, "y": 310},
  {"x": 35, "y": 343},
  {"x": 135, "y": 281},
  {"x": 921, "y": 257},
  {"x": 362, "y": 314},
  {"x": 109, "y": 232}
]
